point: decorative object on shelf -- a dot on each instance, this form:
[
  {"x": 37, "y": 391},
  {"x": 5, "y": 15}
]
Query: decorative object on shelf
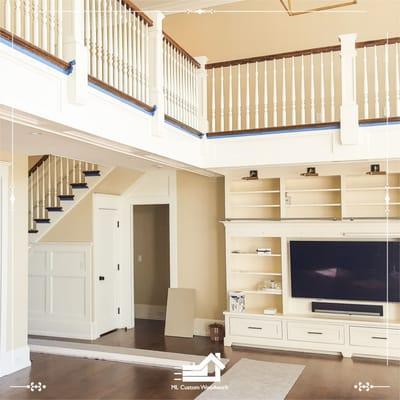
[
  {"x": 293, "y": 7},
  {"x": 253, "y": 175},
  {"x": 216, "y": 332},
  {"x": 270, "y": 311},
  {"x": 269, "y": 285},
  {"x": 375, "y": 169},
  {"x": 236, "y": 252},
  {"x": 263, "y": 250},
  {"x": 237, "y": 301},
  {"x": 311, "y": 171}
]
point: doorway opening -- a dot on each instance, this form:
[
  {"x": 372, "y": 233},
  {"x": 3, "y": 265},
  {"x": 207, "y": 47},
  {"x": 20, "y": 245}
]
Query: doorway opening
[{"x": 151, "y": 262}]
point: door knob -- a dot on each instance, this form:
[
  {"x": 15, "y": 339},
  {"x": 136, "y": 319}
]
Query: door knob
[{"x": 101, "y": 278}]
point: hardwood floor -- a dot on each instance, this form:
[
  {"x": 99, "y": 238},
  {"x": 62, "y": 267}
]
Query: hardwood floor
[{"x": 324, "y": 377}]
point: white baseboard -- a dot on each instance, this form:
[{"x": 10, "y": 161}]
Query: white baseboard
[
  {"x": 201, "y": 326},
  {"x": 14, "y": 360},
  {"x": 148, "y": 311},
  {"x": 62, "y": 328}
]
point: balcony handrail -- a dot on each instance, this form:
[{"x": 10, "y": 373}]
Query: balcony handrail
[
  {"x": 136, "y": 10},
  {"x": 178, "y": 47},
  {"x": 378, "y": 42}
]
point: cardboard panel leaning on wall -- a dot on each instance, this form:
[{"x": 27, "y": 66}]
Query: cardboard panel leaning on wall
[{"x": 201, "y": 241}]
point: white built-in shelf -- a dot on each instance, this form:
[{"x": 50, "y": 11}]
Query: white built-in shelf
[
  {"x": 267, "y": 291},
  {"x": 257, "y": 254},
  {"x": 255, "y": 192},
  {"x": 377, "y": 188},
  {"x": 314, "y": 205},
  {"x": 257, "y": 273},
  {"x": 256, "y": 205},
  {"x": 373, "y": 204},
  {"x": 312, "y": 190}
]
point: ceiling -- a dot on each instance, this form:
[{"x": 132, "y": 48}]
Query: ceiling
[{"x": 179, "y": 6}]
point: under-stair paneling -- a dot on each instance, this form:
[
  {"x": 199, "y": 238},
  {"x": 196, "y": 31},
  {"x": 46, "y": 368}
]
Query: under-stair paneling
[{"x": 55, "y": 271}]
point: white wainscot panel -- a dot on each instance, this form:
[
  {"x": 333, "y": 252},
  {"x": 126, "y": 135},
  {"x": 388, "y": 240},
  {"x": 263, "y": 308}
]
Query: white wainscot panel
[{"x": 60, "y": 290}]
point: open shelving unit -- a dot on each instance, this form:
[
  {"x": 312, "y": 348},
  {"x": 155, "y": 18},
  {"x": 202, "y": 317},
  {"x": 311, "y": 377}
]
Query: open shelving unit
[
  {"x": 254, "y": 199},
  {"x": 247, "y": 271}
]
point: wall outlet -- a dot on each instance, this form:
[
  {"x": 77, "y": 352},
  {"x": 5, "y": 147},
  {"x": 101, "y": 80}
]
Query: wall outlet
[{"x": 139, "y": 258}]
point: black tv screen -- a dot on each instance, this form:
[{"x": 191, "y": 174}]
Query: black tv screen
[{"x": 345, "y": 270}]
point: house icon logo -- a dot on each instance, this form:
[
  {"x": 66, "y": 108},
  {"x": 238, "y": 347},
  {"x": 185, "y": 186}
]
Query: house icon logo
[{"x": 200, "y": 372}]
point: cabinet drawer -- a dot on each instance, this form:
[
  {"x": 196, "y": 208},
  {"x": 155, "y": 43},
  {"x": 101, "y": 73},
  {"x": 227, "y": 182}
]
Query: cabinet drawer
[
  {"x": 320, "y": 333},
  {"x": 374, "y": 337},
  {"x": 256, "y": 328}
]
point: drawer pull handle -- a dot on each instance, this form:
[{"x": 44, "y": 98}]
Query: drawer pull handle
[
  {"x": 379, "y": 337},
  {"x": 314, "y": 333},
  {"x": 254, "y": 327}
]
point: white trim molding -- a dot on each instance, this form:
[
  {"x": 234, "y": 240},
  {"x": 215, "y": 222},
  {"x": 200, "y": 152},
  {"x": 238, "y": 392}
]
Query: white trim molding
[{"x": 14, "y": 360}]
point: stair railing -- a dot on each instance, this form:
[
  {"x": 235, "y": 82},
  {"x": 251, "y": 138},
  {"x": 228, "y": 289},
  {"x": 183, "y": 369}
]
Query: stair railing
[{"x": 50, "y": 178}]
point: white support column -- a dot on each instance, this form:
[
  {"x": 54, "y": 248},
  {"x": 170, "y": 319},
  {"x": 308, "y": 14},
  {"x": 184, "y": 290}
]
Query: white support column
[
  {"x": 349, "y": 108},
  {"x": 156, "y": 71},
  {"x": 202, "y": 94},
  {"x": 74, "y": 49}
]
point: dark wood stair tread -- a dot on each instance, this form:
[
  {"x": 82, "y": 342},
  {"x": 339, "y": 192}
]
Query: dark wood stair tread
[
  {"x": 42, "y": 220},
  {"x": 64, "y": 197},
  {"x": 79, "y": 185},
  {"x": 91, "y": 173},
  {"x": 58, "y": 209}
]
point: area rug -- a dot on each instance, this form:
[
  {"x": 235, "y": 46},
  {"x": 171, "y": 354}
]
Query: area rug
[
  {"x": 253, "y": 380},
  {"x": 114, "y": 353}
]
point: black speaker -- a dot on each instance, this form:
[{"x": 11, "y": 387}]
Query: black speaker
[{"x": 350, "y": 309}]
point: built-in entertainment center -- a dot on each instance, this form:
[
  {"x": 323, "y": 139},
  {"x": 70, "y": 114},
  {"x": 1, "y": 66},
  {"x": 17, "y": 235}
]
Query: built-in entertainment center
[{"x": 314, "y": 259}]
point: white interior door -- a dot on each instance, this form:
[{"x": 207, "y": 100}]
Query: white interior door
[{"x": 106, "y": 264}]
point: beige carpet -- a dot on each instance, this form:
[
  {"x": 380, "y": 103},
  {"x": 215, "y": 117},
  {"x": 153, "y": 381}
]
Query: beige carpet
[{"x": 253, "y": 380}]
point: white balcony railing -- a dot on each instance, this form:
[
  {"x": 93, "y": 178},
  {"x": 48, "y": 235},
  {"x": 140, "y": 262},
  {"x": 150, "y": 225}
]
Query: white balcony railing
[{"x": 122, "y": 50}]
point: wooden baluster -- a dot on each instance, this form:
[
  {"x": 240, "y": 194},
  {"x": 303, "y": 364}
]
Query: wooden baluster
[
  {"x": 93, "y": 39},
  {"x": 55, "y": 192},
  {"x": 275, "y": 98},
  {"x": 88, "y": 42},
  {"x": 8, "y": 15},
  {"x": 35, "y": 22},
  {"x": 178, "y": 84},
  {"x": 332, "y": 89},
  {"x": 230, "y": 100},
  {"x": 366, "y": 111},
  {"x": 213, "y": 100},
  {"x": 322, "y": 88},
  {"x": 30, "y": 194},
  {"x": 62, "y": 180},
  {"x": 134, "y": 55},
  {"x": 17, "y": 13},
  {"x": 125, "y": 48},
  {"x": 397, "y": 82},
  {"x": 312, "y": 94},
  {"x": 265, "y": 94},
  {"x": 239, "y": 100},
  {"x": 173, "y": 80},
  {"x": 256, "y": 100},
  {"x": 376, "y": 86},
  {"x": 147, "y": 82},
  {"x": 59, "y": 27},
  {"x": 222, "y": 120},
  {"x": 115, "y": 45},
  {"x": 167, "y": 81},
  {"x": 247, "y": 96},
  {"x": 52, "y": 26},
  {"x": 45, "y": 21},
  {"x": 110, "y": 43},
  {"x": 49, "y": 196},
  {"x": 106, "y": 57},
  {"x": 130, "y": 64},
  {"x": 302, "y": 93},
  {"x": 67, "y": 177},
  {"x": 293, "y": 92},
  {"x": 143, "y": 59},
  {"x": 43, "y": 191},
  {"x": 37, "y": 194},
  {"x": 284, "y": 120},
  {"x": 27, "y": 20},
  {"x": 99, "y": 43},
  {"x": 387, "y": 92},
  {"x": 138, "y": 54}
]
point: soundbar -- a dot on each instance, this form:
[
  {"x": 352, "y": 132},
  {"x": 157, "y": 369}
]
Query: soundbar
[{"x": 350, "y": 309}]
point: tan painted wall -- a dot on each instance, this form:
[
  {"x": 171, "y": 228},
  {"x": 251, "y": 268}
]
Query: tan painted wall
[
  {"x": 77, "y": 225},
  {"x": 151, "y": 242},
  {"x": 260, "y": 27},
  {"x": 201, "y": 241}
]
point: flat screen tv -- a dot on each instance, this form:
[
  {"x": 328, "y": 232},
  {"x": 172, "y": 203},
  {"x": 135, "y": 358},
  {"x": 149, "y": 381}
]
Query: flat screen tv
[{"x": 346, "y": 270}]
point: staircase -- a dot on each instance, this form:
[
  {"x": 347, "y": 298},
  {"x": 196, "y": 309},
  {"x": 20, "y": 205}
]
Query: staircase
[{"x": 56, "y": 185}]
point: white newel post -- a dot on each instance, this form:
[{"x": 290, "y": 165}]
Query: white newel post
[
  {"x": 349, "y": 108},
  {"x": 74, "y": 49},
  {"x": 156, "y": 67},
  {"x": 202, "y": 100}
]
